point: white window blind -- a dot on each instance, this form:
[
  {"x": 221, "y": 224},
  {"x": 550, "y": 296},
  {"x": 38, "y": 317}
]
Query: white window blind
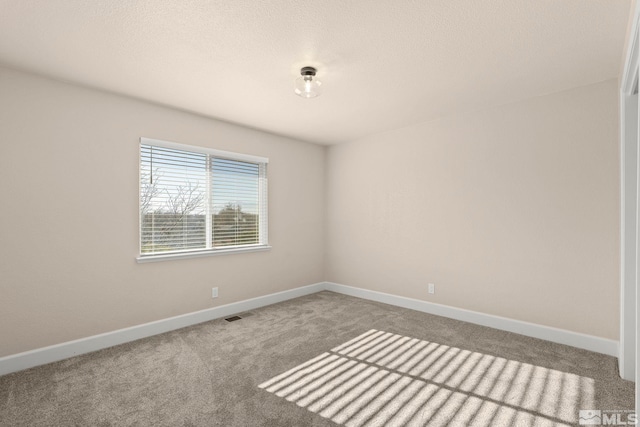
[{"x": 194, "y": 199}]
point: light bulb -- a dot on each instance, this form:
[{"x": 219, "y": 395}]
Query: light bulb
[{"x": 307, "y": 85}]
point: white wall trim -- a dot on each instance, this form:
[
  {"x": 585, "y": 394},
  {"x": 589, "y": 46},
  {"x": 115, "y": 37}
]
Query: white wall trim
[
  {"x": 218, "y": 153},
  {"x": 54, "y": 353},
  {"x": 629, "y": 208},
  {"x": 201, "y": 253},
  {"x": 561, "y": 336},
  {"x": 629, "y": 311}
]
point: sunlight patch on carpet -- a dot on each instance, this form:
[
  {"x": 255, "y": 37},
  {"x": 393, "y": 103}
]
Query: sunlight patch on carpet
[{"x": 385, "y": 379}]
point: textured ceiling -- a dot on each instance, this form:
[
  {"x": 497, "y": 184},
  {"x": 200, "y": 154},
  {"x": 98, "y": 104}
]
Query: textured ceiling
[{"x": 384, "y": 63}]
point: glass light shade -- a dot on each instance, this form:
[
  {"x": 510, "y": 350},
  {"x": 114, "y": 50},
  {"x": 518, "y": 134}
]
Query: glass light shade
[{"x": 308, "y": 87}]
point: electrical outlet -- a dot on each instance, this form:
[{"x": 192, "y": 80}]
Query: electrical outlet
[
  {"x": 432, "y": 288},
  {"x": 214, "y": 292}
]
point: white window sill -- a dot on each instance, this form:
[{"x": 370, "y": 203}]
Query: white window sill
[{"x": 200, "y": 253}]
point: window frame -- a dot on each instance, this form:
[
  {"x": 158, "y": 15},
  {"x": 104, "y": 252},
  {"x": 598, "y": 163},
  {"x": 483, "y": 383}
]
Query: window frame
[{"x": 199, "y": 252}]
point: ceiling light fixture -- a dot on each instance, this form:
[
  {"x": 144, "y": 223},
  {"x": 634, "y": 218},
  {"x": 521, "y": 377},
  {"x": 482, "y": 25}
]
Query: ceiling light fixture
[{"x": 307, "y": 86}]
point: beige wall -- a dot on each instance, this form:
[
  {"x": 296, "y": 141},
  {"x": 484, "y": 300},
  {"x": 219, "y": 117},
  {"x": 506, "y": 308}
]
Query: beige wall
[
  {"x": 512, "y": 211},
  {"x": 628, "y": 39},
  {"x": 69, "y": 217}
]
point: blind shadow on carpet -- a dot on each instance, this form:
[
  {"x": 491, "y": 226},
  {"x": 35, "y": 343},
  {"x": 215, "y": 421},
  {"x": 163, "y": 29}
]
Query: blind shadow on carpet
[{"x": 385, "y": 379}]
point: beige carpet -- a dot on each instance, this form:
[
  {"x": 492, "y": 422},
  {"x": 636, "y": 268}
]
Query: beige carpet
[
  {"x": 384, "y": 379},
  {"x": 321, "y": 360}
]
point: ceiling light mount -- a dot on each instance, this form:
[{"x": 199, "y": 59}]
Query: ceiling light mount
[
  {"x": 307, "y": 85},
  {"x": 308, "y": 71}
]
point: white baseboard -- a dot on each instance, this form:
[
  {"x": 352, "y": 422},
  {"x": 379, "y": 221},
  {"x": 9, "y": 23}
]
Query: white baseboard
[
  {"x": 561, "y": 336},
  {"x": 42, "y": 356}
]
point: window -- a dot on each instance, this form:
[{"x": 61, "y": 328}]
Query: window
[{"x": 196, "y": 201}]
